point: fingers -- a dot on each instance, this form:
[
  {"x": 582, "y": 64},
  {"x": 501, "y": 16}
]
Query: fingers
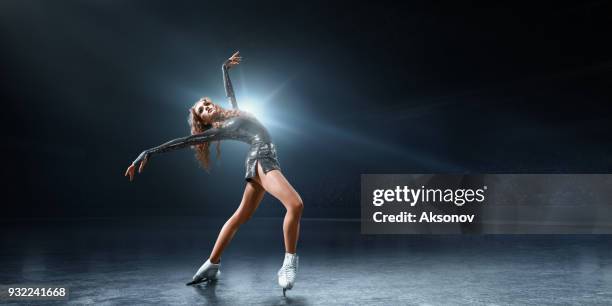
[
  {"x": 130, "y": 172},
  {"x": 235, "y": 58},
  {"x": 142, "y": 165}
]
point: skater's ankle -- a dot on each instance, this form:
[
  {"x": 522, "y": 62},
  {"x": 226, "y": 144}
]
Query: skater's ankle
[{"x": 214, "y": 261}]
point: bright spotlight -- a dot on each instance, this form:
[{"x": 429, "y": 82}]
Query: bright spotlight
[{"x": 254, "y": 107}]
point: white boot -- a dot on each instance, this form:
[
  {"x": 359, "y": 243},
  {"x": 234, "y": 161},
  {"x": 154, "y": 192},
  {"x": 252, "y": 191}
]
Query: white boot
[
  {"x": 288, "y": 272},
  {"x": 208, "y": 271}
]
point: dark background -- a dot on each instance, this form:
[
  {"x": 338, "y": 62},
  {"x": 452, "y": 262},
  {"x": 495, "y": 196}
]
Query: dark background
[{"x": 345, "y": 89}]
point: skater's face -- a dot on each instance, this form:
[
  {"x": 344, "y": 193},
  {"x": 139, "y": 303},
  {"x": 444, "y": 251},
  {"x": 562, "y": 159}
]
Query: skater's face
[{"x": 206, "y": 110}]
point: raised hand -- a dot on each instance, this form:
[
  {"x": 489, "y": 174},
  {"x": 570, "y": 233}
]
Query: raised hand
[{"x": 233, "y": 60}]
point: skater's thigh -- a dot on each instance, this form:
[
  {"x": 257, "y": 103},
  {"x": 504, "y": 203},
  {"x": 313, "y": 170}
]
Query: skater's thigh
[
  {"x": 253, "y": 193},
  {"x": 275, "y": 183}
]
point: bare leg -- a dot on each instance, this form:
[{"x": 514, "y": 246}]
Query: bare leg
[
  {"x": 253, "y": 193},
  {"x": 277, "y": 185}
]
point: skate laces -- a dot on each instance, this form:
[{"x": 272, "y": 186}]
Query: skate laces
[
  {"x": 289, "y": 268},
  {"x": 288, "y": 271}
]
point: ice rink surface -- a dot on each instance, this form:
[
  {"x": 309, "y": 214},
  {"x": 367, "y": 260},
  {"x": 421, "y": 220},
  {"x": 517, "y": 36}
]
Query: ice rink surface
[{"x": 148, "y": 261}]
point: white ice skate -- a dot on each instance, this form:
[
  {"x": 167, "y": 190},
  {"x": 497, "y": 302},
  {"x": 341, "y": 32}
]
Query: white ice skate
[
  {"x": 207, "y": 272},
  {"x": 288, "y": 272}
]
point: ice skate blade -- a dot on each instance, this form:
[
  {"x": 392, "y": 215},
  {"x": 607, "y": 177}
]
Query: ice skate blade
[{"x": 195, "y": 282}]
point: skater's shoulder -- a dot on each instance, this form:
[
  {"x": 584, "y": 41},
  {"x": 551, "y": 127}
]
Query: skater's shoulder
[
  {"x": 243, "y": 118},
  {"x": 233, "y": 121}
]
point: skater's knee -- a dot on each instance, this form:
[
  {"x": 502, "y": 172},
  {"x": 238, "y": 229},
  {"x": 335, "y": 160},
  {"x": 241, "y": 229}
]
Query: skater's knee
[{"x": 295, "y": 206}]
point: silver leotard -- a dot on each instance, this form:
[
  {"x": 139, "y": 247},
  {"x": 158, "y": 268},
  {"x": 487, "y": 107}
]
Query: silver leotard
[{"x": 244, "y": 128}]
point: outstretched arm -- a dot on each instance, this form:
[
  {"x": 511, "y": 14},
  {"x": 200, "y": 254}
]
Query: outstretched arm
[
  {"x": 211, "y": 134},
  {"x": 229, "y": 89}
]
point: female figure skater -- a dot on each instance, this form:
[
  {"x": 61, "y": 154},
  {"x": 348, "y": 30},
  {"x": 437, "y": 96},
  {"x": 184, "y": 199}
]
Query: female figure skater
[{"x": 210, "y": 122}]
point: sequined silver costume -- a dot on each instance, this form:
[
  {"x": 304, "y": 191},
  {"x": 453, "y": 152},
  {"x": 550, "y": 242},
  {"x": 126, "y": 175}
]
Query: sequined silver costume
[{"x": 245, "y": 128}]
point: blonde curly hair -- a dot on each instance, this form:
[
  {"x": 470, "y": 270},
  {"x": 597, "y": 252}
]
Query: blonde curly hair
[{"x": 198, "y": 126}]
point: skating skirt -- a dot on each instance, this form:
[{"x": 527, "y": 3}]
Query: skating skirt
[{"x": 265, "y": 155}]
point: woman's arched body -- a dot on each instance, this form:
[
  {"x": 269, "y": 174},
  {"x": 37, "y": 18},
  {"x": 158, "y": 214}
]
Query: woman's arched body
[{"x": 210, "y": 122}]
